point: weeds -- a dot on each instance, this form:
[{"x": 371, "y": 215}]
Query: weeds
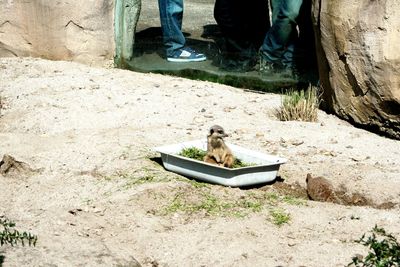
[
  {"x": 205, "y": 202},
  {"x": 275, "y": 198},
  {"x": 299, "y": 105},
  {"x": 294, "y": 201},
  {"x": 197, "y": 184},
  {"x": 384, "y": 250},
  {"x": 137, "y": 181},
  {"x": 139, "y": 176},
  {"x": 11, "y": 236},
  {"x": 272, "y": 197},
  {"x": 212, "y": 205},
  {"x": 208, "y": 203},
  {"x": 279, "y": 216}
]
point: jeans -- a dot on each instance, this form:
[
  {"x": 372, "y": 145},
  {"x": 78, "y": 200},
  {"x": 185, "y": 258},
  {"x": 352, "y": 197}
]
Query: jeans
[
  {"x": 278, "y": 45},
  {"x": 171, "y": 14}
]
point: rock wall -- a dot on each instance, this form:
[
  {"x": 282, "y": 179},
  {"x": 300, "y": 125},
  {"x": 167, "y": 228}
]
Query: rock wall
[
  {"x": 75, "y": 30},
  {"x": 358, "y": 49}
]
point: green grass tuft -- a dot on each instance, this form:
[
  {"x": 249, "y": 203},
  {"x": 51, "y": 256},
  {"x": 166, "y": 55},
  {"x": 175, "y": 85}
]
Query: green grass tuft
[
  {"x": 279, "y": 216},
  {"x": 299, "y": 105}
]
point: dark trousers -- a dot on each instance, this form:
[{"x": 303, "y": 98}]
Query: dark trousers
[{"x": 243, "y": 25}]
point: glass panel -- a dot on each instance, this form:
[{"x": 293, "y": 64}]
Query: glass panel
[{"x": 231, "y": 45}]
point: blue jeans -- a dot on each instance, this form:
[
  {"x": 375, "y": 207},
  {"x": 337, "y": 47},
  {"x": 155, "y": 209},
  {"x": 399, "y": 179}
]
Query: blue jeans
[
  {"x": 278, "y": 45},
  {"x": 171, "y": 13}
]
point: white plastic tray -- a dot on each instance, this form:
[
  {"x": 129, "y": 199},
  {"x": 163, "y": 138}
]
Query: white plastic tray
[{"x": 264, "y": 171}]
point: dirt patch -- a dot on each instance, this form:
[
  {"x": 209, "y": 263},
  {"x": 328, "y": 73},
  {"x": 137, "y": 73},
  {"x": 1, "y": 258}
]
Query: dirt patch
[
  {"x": 357, "y": 199},
  {"x": 343, "y": 196},
  {"x": 294, "y": 190}
]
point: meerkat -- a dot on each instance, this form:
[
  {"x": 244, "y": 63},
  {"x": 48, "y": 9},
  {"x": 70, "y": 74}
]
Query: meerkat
[
  {"x": 217, "y": 151},
  {"x": 320, "y": 189}
]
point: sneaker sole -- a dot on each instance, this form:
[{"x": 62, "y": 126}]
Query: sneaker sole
[{"x": 171, "y": 59}]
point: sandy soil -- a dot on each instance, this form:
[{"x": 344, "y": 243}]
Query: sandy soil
[{"x": 96, "y": 194}]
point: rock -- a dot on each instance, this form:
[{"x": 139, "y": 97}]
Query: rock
[
  {"x": 320, "y": 189},
  {"x": 75, "y": 30},
  {"x": 358, "y": 50},
  {"x": 130, "y": 263},
  {"x": 10, "y": 166}
]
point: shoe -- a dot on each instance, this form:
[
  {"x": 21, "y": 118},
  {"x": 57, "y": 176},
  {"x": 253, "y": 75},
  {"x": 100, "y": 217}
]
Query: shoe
[
  {"x": 186, "y": 55},
  {"x": 231, "y": 65},
  {"x": 267, "y": 66},
  {"x": 289, "y": 72}
]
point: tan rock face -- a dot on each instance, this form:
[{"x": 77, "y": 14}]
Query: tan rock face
[
  {"x": 76, "y": 30},
  {"x": 358, "y": 47}
]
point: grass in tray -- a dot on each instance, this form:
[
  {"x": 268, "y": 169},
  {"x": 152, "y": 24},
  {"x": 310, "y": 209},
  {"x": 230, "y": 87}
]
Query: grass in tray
[
  {"x": 240, "y": 164},
  {"x": 198, "y": 154},
  {"x": 193, "y": 153}
]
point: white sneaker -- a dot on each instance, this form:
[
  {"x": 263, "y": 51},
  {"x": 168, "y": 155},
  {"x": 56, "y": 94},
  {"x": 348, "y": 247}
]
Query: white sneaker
[{"x": 186, "y": 55}]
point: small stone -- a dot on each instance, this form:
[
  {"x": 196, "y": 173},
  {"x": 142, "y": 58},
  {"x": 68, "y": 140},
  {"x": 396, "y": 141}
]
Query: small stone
[
  {"x": 259, "y": 135},
  {"x": 297, "y": 142},
  {"x": 248, "y": 112}
]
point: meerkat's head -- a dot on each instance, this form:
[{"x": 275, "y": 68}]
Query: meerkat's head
[{"x": 217, "y": 132}]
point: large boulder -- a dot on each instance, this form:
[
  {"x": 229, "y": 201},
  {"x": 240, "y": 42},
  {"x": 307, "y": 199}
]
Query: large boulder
[
  {"x": 358, "y": 49},
  {"x": 75, "y": 30}
]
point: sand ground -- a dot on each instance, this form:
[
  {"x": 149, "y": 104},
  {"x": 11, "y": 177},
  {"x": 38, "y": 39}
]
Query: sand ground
[{"x": 96, "y": 194}]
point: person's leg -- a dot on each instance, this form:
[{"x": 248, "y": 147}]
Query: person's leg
[
  {"x": 305, "y": 47},
  {"x": 277, "y": 39},
  {"x": 230, "y": 17},
  {"x": 275, "y": 8},
  {"x": 243, "y": 28},
  {"x": 258, "y": 22},
  {"x": 171, "y": 14}
]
